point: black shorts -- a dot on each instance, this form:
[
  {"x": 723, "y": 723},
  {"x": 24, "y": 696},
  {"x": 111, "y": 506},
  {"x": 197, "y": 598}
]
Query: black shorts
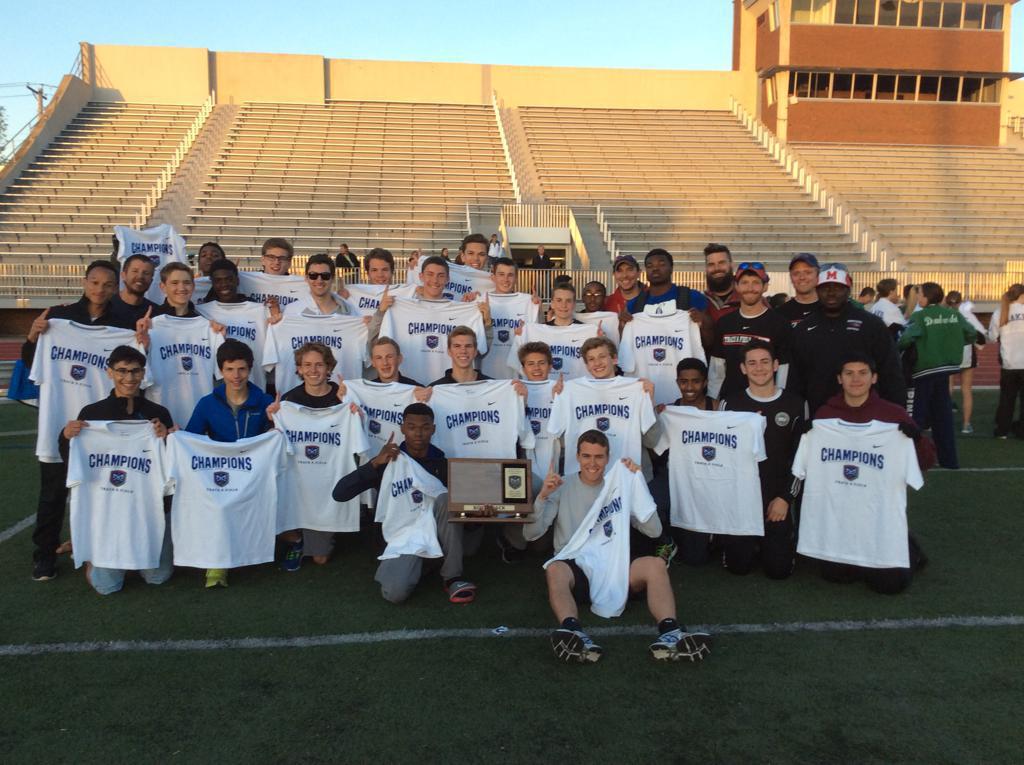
[{"x": 581, "y": 585}]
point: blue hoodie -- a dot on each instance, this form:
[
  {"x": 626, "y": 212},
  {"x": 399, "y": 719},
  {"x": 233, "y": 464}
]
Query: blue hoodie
[{"x": 213, "y": 416}]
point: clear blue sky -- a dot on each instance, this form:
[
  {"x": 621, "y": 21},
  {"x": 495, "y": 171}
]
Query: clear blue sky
[{"x": 41, "y": 37}]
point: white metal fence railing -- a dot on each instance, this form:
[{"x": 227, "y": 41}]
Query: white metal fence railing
[
  {"x": 870, "y": 241},
  {"x": 497, "y": 105},
  {"x": 167, "y": 173},
  {"x": 535, "y": 216}
]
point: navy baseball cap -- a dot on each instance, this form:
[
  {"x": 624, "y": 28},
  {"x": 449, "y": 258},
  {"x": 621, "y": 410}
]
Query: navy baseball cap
[
  {"x": 625, "y": 259},
  {"x": 804, "y": 257}
]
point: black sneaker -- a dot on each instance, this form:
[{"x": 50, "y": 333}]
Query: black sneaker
[
  {"x": 44, "y": 570},
  {"x": 574, "y": 645},
  {"x": 667, "y": 552},
  {"x": 676, "y": 644},
  {"x": 509, "y": 554}
]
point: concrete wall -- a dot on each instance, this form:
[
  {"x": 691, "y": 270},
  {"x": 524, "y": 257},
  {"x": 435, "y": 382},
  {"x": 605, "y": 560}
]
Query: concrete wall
[
  {"x": 239, "y": 77},
  {"x": 146, "y": 74},
  {"x": 882, "y": 122},
  {"x": 72, "y": 94},
  {"x": 1015, "y": 99}
]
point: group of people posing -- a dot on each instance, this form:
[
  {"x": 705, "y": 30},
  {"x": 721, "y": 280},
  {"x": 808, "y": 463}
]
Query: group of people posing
[{"x": 255, "y": 415}]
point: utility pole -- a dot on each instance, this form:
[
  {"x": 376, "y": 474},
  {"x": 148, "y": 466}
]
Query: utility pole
[{"x": 40, "y": 98}]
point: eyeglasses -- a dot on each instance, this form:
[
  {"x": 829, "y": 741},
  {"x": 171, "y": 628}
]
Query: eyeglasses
[
  {"x": 278, "y": 258},
  {"x": 127, "y": 372},
  {"x": 314, "y": 275},
  {"x": 747, "y": 266}
]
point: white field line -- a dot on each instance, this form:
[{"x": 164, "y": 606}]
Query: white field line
[
  {"x": 978, "y": 470},
  {"x": 366, "y": 638},
  {"x": 18, "y": 433},
  {"x": 17, "y": 528}
]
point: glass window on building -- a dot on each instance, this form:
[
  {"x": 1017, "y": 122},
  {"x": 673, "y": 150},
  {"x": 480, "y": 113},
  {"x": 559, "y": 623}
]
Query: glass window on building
[
  {"x": 863, "y": 84},
  {"x": 993, "y": 16},
  {"x": 820, "y": 84},
  {"x": 929, "y": 90},
  {"x": 866, "y": 12},
  {"x": 887, "y": 12},
  {"x": 908, "y": 13},
  {"x": 812, "y": 11},
  {"x": 951, "y": 13},
  {"x": 949, "y": 88},
  {"x": 842, "y": 85},
  {"x": 973, "y": 13},
  {"x": 971, "y": 91},
  {"x": 990, "y": 91},
  {"x": 931, "y": 13},
  {"x": 845, "y": 10},
  {"x": 803, "y": 85},
  {"x": 885, "y": 88},
  {"x": 906, "y": 87}
]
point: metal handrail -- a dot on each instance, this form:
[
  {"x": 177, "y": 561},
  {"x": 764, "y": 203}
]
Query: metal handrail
[
  {"x": 576, "y": 236},
  {"x": 505, "y": 147}
]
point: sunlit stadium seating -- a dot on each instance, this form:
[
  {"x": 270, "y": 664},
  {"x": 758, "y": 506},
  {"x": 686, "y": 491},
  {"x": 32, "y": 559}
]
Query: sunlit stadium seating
[
  {"x": 941, "y": 207},
  {"x": 678, "y": 180},
  {"x": 368, "y": 174}
]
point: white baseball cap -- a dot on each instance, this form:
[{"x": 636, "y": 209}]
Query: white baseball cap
[{"x": 834, "y": 273}]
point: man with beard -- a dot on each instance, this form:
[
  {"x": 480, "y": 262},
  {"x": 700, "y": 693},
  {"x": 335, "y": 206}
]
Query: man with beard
[
  {"x": 803, "y": 274},
  {"x": 130, "y": 303},
  {"x": 718, "y": 273},
  {"x": 626, "y": 272}
]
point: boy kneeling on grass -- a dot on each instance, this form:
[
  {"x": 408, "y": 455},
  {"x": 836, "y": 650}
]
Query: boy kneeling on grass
[{"x": 596, "y": 561}]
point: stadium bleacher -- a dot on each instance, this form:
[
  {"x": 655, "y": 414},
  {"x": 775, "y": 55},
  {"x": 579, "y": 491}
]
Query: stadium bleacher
[
  {"x": 941, "y": 207},
  {"x": 678, "y": 180},
  {"x": 368, "y": 174}
]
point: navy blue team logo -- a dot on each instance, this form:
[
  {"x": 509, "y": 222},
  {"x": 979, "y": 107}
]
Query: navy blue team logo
[
  {"x": 603, "y": 424},
  {"x": 155, "y": 260},
  {"x": 221, "y": 478},
  {"x": 556, "y": 363},
  {"x": 417, "y": 496},
  {"x": 708, "y": 452},
  {"x": 850, "y": 472},
  {"x": 515, "y": 481},
  {"x": 312, "y": 452},
  {"x": 432, "y": 341},
  {"x": 118, "y": 477},
  {"x": 608, "y": 529},
  {"x": 186, "y": 363},
  {"x": 659, "y": 354},
  {"x": 503, "y": 335},
  {"x": 535, "y": 427},
  {"x": 473, "y": 431},
  {"x": 374, "y": 427},
  {"x": 77, "y": 372}
]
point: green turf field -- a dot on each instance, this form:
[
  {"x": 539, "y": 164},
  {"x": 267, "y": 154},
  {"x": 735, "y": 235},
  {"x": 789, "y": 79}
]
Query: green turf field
[{"x": 935, "y": 695}]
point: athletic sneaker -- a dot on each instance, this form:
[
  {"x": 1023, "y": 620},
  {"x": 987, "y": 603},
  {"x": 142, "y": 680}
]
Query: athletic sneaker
[
  {"x": 44, "y": 570},
  {"x": 293, "y": 558},
  {"x": 667, "y": 552},
  {"x": 509, "y": 554},
  {"x": 676, "y": 644},
  {"x": 967, "y": 429},
  {"x": 216, "y": 576},
  {"x": 574, "y": 645}
]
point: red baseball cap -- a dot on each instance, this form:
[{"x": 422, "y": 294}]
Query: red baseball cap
[{"x": 752, "y": 268}]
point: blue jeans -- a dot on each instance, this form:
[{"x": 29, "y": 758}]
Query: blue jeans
[
  {"x": 107, "y": 581},
  {"x": 933, "y": 409}
]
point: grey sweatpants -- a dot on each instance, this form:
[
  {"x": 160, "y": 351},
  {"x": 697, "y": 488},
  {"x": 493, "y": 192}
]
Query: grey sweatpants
[{"x": 399, "y": 576}]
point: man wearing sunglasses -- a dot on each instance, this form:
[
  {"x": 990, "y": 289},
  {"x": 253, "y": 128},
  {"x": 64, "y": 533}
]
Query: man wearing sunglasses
[
  {"x": 321, "y": 299},
  {"x": 754, "y": 320}
]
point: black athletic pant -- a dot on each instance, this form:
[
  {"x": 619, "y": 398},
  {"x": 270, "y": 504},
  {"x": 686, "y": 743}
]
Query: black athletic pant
[
  {"x": 1011, "y": 387},
  {"x": 888, "y": 581},
  {"x": 53, "y": 494}
]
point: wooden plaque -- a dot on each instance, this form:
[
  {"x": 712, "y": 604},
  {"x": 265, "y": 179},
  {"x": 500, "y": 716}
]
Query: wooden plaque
[{"x": 489, "y": 491}]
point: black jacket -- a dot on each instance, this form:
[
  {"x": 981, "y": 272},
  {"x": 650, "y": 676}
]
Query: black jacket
[
  {"x": 164, "y": 309},
  {"x": 114, "y": 408},
  {"x": 818, "y": 345},
  {"x": 366, "y": 476},
  {"x": 77, "y": 312},
  {"x": 449, "y": 380}
]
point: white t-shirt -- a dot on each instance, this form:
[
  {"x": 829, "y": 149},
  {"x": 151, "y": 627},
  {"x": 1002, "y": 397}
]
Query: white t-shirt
[
  {"x": 421, "y": 329},
  {"x": 344, "y": 335},
  {"x": 1010, "y": 336},
  {"x": 224, "y": 512},
  {"x": 246, "y": 322},
  {"x": 70, "y": 368},
  {"x": 182, "y": 363},
  {"x": 480, "y": 419},
  {"x": 322, "y": 444},
  {"x": 714, "y": 483},
  {"x": 408, "y": 494},
  {"x": 508, "y": 311},
  {"x": 887, "y": 311},
  {"x": 306, "y": 304},
  {"x": 461, "y": 280},
  {"x": 539, "y": 402},
  {"x": 161, "y": 244},
  {"x": 260, "y": 287},
  {"x": 854, "y": 507},
  {"x": 564, "y": 342},
  {"x": 652, "y": 346},
  {"x": 618, "y": 407},
  {"x": 383, "y": 404},
  {"x": 600, "y": 545},
  {"x": 609, "y": 321},
  {"x": 365, "y": 298},
  {"x": 118, "y": 479}
]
